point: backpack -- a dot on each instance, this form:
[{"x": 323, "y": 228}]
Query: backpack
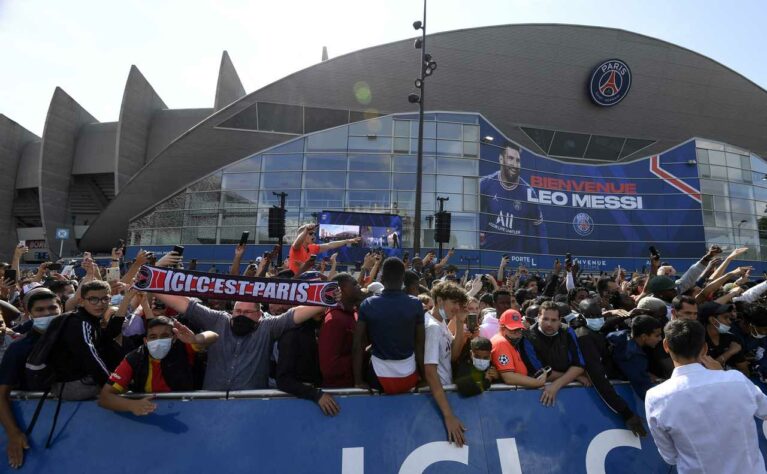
[{"x": 40, "y": 375}]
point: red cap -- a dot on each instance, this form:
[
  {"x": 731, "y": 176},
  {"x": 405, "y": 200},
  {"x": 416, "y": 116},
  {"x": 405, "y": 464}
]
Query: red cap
[{"x": 511, "y": 319}]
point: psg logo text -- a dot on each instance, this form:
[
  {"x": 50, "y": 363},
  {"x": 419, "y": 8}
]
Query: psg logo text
[{"x": 610, "y": 82}]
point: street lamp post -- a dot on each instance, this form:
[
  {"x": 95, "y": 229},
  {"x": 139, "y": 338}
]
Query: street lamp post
[{"x": 428, "y": 65}]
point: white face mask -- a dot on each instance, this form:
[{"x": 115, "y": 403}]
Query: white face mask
[
  {"x": 481, "y": 364},
  {"x": 722, "y": 328},
  {"x": 159, "y": 348},
  {"x": 42, "y": 323},
  {"x": 756, "y": 335},
  {"x": 443, "y": 314}
]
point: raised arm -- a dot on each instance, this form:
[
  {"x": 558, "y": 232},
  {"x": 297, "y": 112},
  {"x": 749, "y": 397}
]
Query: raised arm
[
  {"x": 302, "y": 231},
  {"x": 141, "y": 259},
  {"x": 333, "y": 263},
  {"x": 239, "y": 251},
  {"x": 441, "y": 264},
  {"x": 502, "y": 267},
  {"x": 179, "y": 303},
  {"x": 338, "y": 243},
  {"x": 721, "y": 269}
]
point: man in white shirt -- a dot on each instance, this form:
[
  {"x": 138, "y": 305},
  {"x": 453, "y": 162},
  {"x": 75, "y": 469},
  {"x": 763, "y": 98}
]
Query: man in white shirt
[
  {"x": 702, "y": 420},
  {"x": 441, "y": 348}
]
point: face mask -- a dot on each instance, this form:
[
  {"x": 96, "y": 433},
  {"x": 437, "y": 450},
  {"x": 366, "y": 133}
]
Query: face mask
[
  {"x": 756, "y": 335},
  {"x": 41, "y": 324},
  {"x": 595, "y": 324},
  {"x": 481, "y": 364},
  {"x": 443, "y": 314},
  {"x": 722, "y": 328},
  {"x": 570, "y": 317},
  {"x": 242, "y": 325},
  {"x": 159, "y": 348}
]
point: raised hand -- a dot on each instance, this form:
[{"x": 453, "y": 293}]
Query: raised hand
[{"x": 183, "y": 333}]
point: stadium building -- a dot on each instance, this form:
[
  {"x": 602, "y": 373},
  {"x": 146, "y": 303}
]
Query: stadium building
[{"x": 546, "y": 138}]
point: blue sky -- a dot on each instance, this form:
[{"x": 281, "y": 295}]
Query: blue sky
[{"x": 87, "y": 47}]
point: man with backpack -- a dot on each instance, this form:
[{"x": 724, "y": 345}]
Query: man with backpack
[
  {"x": 78, "y": 368},
  {"x": 42, "y": 307}
]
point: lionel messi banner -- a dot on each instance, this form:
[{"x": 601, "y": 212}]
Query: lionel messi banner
[
  {"x": 232, "y": 287},
  {"x": 533, "y": 204}
]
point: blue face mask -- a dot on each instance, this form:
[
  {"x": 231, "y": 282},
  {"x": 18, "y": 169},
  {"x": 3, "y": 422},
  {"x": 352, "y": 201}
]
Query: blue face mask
[
  {"x": 595, "y": 324},
  {"x": 41, "y": 324},
  {"x": 570, "y": 317}
]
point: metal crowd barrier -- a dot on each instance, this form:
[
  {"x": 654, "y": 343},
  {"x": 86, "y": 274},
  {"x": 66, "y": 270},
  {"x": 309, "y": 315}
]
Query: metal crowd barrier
[{"x": 273, "y": 393}]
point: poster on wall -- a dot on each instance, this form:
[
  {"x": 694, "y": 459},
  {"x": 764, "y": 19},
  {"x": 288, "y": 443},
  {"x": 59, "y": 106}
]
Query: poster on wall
[{"x": 539, "y": 205}]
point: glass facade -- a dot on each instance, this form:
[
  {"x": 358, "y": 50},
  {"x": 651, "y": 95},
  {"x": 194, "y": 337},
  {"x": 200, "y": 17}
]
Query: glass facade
[
  {"x": 734, "y": 194},
  {"x": 366, "y": 166},
  {"x": 370, "y": 166}
]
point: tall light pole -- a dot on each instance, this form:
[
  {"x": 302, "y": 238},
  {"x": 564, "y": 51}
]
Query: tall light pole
[{"x": 427, "y": 68}]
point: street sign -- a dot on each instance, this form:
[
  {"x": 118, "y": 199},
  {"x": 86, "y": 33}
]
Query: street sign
[{"x": 62, "y": 234}]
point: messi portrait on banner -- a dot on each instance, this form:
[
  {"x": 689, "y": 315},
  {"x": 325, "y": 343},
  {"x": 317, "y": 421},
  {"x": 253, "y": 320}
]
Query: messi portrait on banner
[
  {"x": 505, "y": 210},
  {"x": 535, "y": 204}
]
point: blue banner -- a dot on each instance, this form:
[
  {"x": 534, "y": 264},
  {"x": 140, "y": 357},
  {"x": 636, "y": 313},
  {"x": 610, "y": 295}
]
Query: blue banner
[
  {"x": 507, "y": 431},
  {"x": 538, "y": 205}
]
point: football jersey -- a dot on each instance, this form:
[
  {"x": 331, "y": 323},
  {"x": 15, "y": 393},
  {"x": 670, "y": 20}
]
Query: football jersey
[{"x": 507, "y": 220}]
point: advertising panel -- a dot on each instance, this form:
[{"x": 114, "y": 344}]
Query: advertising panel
[
  {"x": 377, "y": 231},
  {"x": 539, "y": 205}
]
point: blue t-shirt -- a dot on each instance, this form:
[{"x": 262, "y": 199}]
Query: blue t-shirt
[
  {"x": 15, "y": 359},
  {"x": 507, "y": 217},
  {"x": 391, "y": 320}
]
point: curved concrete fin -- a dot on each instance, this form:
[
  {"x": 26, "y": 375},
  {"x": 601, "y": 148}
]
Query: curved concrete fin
[
  {"x": 229, "y": 87},
  {"x": 62, "y": 125},
  {"x": 139, "y": 104},
  {"x": 13, "y": 139}
]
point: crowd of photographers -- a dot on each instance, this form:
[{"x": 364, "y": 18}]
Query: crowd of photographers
[{"x": 400, "y": 325}]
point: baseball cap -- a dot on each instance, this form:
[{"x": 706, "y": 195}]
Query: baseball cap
[
  {"x": 712, "y": 308},
  {"x": 660, "y": 283},
  {"x": 511, "y": 319},
  {"x": 375, "y": 288}
]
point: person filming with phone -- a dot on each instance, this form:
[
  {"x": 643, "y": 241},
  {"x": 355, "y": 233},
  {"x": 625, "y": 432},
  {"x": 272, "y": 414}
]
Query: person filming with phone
[{"x": 306, "y": 245}]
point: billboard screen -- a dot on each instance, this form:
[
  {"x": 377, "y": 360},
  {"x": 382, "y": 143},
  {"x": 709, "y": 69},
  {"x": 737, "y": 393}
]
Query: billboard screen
[
  {"x": 539, "y": 205},
  {"x": 377, "y": 231}
]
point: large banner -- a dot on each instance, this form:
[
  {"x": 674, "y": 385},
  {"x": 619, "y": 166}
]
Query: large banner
[
  {"x": 538, "y": 205},
  {"x": 508, "y": 432}
]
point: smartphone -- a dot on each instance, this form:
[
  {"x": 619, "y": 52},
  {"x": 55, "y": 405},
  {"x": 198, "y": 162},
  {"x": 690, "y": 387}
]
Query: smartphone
[
  {"x": 120, "y": 244},
  {"x": 10, "y": 274},
  {"x": 54, "y": 267},
  {"x": 193, "y": 264},
  {"x": 472, "y": 322},
  {"x": 178, "y": 249},
  {"x": 244, "y": 237},
  {"x": 653, "y": 251},
  {"x": 568, "y": 258},
  {"x": 113, "y": 273},
  {"x": 540, "y": 372}
]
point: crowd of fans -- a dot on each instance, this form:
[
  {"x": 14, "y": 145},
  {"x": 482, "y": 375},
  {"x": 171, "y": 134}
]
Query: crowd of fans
[{"x": 400, "y": 325}]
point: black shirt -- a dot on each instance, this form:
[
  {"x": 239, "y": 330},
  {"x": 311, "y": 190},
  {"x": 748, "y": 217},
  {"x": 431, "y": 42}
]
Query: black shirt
[
  {"x": 12, "y": 367},
  {"x": 298, "y": 362},
  {"x": 724, "y": 343}
]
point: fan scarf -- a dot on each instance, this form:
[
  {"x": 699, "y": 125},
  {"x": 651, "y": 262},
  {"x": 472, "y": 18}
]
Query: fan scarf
[{"x": 172, "y": 281}]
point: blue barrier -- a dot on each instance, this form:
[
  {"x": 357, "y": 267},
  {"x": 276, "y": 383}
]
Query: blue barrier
[{"x": 508, "y": 432}]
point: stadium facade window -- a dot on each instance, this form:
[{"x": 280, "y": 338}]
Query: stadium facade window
[
  {"x": 280, "y": 118},
  {"x": 316, "y": 119}
]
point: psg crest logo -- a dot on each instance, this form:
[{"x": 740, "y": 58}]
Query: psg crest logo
[
  {"x": 583, "y": 224},
  {"x": 144, "y": 278},
  {"x": 610, "y": 82}
]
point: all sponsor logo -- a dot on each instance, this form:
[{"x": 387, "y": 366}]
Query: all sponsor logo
[{"x": 610, "y": 82}]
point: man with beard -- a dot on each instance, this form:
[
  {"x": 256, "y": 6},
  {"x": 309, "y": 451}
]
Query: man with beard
[
  {"x": 550, "y": 344},
  {"x": 240, "y": 358},
  {"x": 505, "y": 210}
]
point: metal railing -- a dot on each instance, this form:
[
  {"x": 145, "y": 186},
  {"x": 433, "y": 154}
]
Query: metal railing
[{"x": 267, "y": 394}]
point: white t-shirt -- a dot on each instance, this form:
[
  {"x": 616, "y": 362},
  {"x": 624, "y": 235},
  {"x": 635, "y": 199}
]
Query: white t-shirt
[{"x": 437, "y": 348}]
